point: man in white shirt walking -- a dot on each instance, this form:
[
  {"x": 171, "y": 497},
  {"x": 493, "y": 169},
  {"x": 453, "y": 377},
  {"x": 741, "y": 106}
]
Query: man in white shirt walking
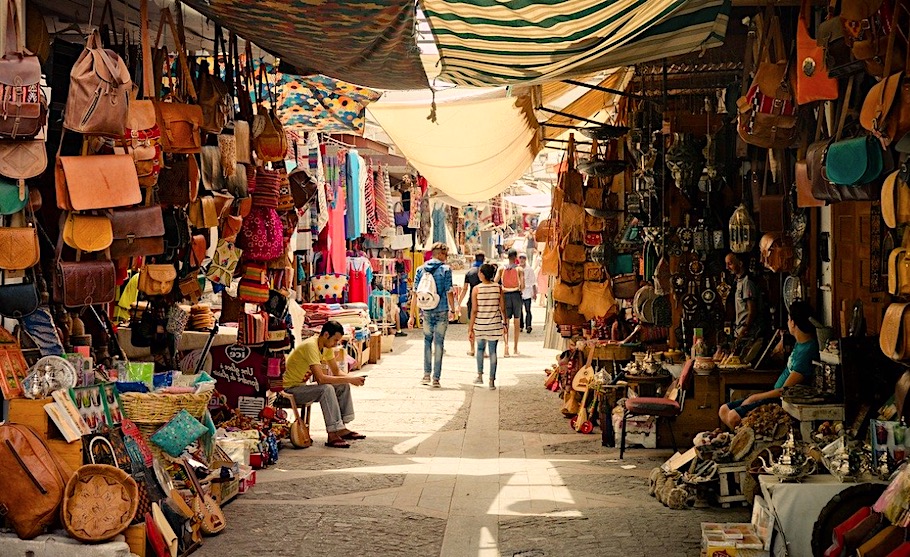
[{"x": 529, "y": 293}]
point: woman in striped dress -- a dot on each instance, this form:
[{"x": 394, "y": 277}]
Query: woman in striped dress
[{"x": 488, "y": 318}]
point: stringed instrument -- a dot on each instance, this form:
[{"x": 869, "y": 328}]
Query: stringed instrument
[{"x": 213, "y": 521}]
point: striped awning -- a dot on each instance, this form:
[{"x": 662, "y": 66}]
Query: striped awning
[{"x": 491, "y": 43}]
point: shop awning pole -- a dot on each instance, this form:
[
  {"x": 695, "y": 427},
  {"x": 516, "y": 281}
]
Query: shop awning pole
[
  {"x": 572, "y": 116},
  {"x": 609, "y": 90}
]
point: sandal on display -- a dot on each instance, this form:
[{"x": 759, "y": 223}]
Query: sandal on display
[{"x": 337, "y": 444}]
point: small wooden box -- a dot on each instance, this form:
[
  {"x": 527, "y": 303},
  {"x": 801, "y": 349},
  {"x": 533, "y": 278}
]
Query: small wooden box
[
  {"x": 135, "y": 538},
  {"x": 730, "y": 477},
  {"x": 31, "y": 413},
  {"x": 375, "y": 348}
]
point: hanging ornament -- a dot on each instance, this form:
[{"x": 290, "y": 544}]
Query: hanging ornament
[{"x": 742, "y": 230}]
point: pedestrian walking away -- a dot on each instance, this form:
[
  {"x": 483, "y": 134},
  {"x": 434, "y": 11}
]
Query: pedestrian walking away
[
  {"x": 511, "y": 277},
  {"x": 529, "y": 292},
  {"x": 434, "y": 298},
  {"x": 488, "y": 319},
  {"x": 471, "y": 279}
]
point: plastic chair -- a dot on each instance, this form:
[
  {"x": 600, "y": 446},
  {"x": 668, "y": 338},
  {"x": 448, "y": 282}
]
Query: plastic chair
[{"x": 658, "y": 406}]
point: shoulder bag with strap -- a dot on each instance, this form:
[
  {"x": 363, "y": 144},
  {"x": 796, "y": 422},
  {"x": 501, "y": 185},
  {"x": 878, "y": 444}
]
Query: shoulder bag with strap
[
  {"x": 98, "y": 98},
  {"x": 214, "y": 94},
  {"x": 23, "y": 110},
  {"x": 812, "y": 80},
  {"x": 180, "y": 122},
  {"x": 886, "y": 109},
  {"x": 269, "y": 140}
]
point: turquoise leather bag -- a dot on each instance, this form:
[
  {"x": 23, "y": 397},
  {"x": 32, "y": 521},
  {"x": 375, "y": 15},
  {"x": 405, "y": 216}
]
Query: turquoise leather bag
[{"x": 854, "y": 162}]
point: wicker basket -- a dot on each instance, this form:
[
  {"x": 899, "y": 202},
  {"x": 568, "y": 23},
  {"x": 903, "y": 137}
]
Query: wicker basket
[
  {"x": 99, "y": 503},
  {"x": 160, "y": 408}
]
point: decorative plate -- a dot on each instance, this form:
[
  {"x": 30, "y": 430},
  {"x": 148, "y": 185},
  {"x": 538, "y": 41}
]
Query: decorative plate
[
  {"x": 679, "y": 283},
  {"x": 793, "y": 290},
  {"x": 696, "y": 267},
  {"x": 49, "y": 374}
]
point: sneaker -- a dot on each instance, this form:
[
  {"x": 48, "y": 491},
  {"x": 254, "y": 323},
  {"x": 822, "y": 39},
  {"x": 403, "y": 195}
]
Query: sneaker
[
  {"x": 479, "y": 379},
  {"x": 492, "y": 385},
  {"x": 403, "y": 334},
  {"x": 426, "y": 379},
  {"x": 529, "y": 330},
  {"x": 436, "y": 384}
]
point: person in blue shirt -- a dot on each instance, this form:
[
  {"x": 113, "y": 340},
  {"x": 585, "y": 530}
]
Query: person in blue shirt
[
  {"x": 436, "y": 320},
  {"x": 799, "y": 367}
]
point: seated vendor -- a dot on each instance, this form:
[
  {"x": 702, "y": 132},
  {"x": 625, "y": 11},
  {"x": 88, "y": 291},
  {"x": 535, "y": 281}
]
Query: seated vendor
[
  {"x": 799, "y": 367},
  {"x": 315, "y": 358}
]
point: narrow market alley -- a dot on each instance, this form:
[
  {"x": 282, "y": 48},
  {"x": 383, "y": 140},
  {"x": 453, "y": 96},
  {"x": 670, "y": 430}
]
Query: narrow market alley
[{"x": 460, "y": 471}]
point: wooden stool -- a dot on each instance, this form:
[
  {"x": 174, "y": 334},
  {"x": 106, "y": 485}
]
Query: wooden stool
[
  {"x": 730, "y": 477},
  {"x": 284, "y": 399}
]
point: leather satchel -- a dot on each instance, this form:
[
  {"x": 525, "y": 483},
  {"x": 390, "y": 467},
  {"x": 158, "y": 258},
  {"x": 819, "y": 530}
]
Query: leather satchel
[
  {"x": 768, "y": 111},
  {"x": 203, "y": 213},
  {"x": 886, "y": 108},
  {"x": 98, "y": 98},
  {"x": 214, "y": 98},
  {"x": 899, "y": 272},
  {"x": 574, "y": 253},
  {"x": 137, "y": 232},
  {"x": 87, "y": 233},
  {"x": 23, "y": 106},
  {"x": 19, "y": 248},
  {"x": 84, "y": 283},
  {"x": 572, "y": 273},
  {"x": 895, "y": 200},
  {"x": 198, "y": 248},
  {"x": 567, "y": 293},
  {"x": 157, "y": 279},
  {"x": 625, "y": 286},
  {"x": 597, "y": 300},
  {"x": 894, "y": 339},
  {"x": 19, "y": 300},
  {"x": 13, "y": 197},
  {"x": 178, "y": 182},
  {"x": 804, "y": 197},
  {"x": 22, "y": 159},
  {"x": 777, "y": 252},
  {"x": 96, "y": 182},
  {"x": 812, "y": 80},
  {"x": 853, "y": 162},
  {"x": 303, "y": 188},
  {"x": 564, "y": 315},
  {"x": 180, "y": 123}
]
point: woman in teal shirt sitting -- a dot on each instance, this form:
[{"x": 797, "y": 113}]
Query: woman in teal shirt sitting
[{"x": 799, "y": 367}]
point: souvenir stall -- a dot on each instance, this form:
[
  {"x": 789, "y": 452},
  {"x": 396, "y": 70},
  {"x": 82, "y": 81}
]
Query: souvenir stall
[
  {"x": 725, "y": 167},
  {"x": 148, "y": 274}
]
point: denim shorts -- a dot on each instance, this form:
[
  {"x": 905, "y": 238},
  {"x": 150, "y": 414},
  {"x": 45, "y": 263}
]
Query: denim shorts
[
  {"x": 743, "y": 409},
  {"x": 513, "y": 305}
]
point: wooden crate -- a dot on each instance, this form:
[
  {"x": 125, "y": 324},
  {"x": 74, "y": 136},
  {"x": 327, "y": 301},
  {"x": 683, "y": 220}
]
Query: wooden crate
[
  {"x": 730, "y": 477},
  {"x": 375, "y": 348},
  {"x": 31, "y": 413}
]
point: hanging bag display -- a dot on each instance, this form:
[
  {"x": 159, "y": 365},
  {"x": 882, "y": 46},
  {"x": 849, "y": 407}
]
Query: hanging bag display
[
  {"x": 254, "y": 284},
  {"x": 19, "y": 247},
  {"x": 91, "y": 182},
  {"x": 886, "y": 108},
  {"x": 137, "y": 231},
  {"x": 768, "y": 111},
  {"x": 24, "y": 159},
  {"x": 87, "y": 233},
  {"x": 180, "y": 122},
  {"x": 597, "y": 300},
  {"x": 269, "y": 140},
  {"x": 812, "y": 80},
  {"x": 19, "y": 300},
  {"x": 853, "y": 162},
  {"x": 157, "y": 279},
  {"x": 98, "y": 98},
  {"x": 23, "y": 106},
  {"x": 214, "y": 95}
]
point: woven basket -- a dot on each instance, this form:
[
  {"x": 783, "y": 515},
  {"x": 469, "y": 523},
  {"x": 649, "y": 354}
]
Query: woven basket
[
  {"x": 160, "y": 408},
  {"x": 99, "y": 503}
]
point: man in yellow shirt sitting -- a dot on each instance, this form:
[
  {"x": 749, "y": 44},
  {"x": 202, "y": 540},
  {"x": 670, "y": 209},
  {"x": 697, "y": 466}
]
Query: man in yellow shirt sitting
[{"x": 315, "y": 358}]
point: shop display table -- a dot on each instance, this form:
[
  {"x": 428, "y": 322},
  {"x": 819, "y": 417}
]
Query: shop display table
[
  {"x": 796, "y": 507},
  {"x": 648, "y": 385},
  {"x": 189, "y": 340},
  {"x": 746, "y": 378},
  {"x": 808, "y": 414}
]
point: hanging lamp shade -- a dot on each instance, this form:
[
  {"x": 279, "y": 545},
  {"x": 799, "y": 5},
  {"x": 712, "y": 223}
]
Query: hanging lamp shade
[{"x": 742, "y": 230}]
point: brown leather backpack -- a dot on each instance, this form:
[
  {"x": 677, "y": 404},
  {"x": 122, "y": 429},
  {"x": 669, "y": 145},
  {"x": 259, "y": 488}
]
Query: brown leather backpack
[
  {"x": 23, "y": 113},
  {"x": 215, "y": 96},
  {"x": 32, "y": 482},
  {"x": 100, "y": 85},
  {"x": 180, "y": 122}
]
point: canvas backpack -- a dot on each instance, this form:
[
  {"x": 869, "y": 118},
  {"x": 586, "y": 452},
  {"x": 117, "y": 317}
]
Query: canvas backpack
[
  {"x": 426, "y": 295},
  {"x": 510, "y": 278}
]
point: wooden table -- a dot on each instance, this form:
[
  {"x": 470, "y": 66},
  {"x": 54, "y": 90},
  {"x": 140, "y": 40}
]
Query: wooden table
[
  {"x": 807, "y": 414},
  {"x": 648, "y": 385},
  {"x": 746, "y": 378}
]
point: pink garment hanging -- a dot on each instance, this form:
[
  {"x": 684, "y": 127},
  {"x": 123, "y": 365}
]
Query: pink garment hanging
[{"x": 336, "y": 258}]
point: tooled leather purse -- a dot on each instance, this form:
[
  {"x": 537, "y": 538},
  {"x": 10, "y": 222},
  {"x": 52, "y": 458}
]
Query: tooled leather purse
[{"x": 83, "y": 283}]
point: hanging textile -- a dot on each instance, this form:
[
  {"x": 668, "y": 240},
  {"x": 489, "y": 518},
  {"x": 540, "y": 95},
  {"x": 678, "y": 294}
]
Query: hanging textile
[
  {"x": 496, "y": 210},
  {"x": 363, "y": 195},
  {"x": 487, "y": 44},
  {"x": 439, "y": 223},
  {"x": 414, "y": 208},
  {"x": 383, "y": 191},
  {"x": 336, "y": 257},
  {"x": 369, "y": 192},
  {"x": 317, "y": 169},
  {"x": 320, "y": 103},
  {"x": 368, "y": 42},
  {"x": 355, "y": 178},
  {"x": 360, "y": 275},
  {"x": 471, "y": 225}
]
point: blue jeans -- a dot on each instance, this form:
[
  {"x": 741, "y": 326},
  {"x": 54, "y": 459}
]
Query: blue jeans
[
  {"x": 481, "y": 347},
  {"x": 435, "y": 324}
]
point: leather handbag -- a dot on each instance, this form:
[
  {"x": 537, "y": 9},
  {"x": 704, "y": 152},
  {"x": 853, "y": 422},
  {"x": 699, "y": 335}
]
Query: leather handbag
[
  {"x": 886, "y": 108},
  {"x": 839, "y": 60},
  {"x": 84, "y": 283},
  {"x": 180, "y": 123},
  {"x": 594, "y": 198},
  {"x": 270, "y": 142},
  {"x": 96, "y": 182},
  {"x": 303, "y": 189},
  {"x": 23, "y": 106},
  {"x": 142, "y": 137},
  {"x": 853, "y": 162},
  {"x": 13, "y": 197},
  {"x": 19, "y": 247},
  {"x": 567, "y": 293},
  {"x": 894, "y": 339},
  {"x": 157, "y": 279},
  {"x": 203, "y": 213},
  {"x": 176, "y": 228},
  {"x": 777, "y": 253},
  {"x": 595, "y": 272},
  {"x": 566, "y": 315},
  {"x": 572, "y": 221},
  {"x": 214, "y": 98},
  {"x": 178, "y": 181},
  {"x": 895, "y": 200},
  {"x": 190, "y": 288},
  {"x": 137, "y": 232},
  {"x": 812, "y": 80},
  {"x": 98, "y": 97},
  {"x": 899, "y": 272},
  {"x": 574, "y": 253},
  {"x": 572, "y": 273},
  {"x": 804, "y": 197},
  {"x": 198, "y": 248},
  {"x": 594, "y": 224},
  {"x": 87, "y": 233},
  {"x": 570, "y": 180},
  {"x": 22, "y": 159},
  {"x": 625, "y": 286},
  {"x": 867, "y": 31},
  {"x": 33, "y": 481},
  {"x": 19, "y": 300},
  {"x": 768, "y": 111},
  {"x": 597, "y": 300},
  {"x": 549, "y": 263}
]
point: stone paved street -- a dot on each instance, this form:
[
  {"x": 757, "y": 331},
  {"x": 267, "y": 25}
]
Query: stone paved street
[{"x": 459, "y": 471}]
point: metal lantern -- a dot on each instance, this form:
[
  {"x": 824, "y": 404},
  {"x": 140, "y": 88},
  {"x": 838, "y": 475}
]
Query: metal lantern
[{"x": 742, "y": 231}]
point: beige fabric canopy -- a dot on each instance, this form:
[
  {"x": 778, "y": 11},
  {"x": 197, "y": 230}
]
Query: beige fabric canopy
[{"x": 476, "y": 148}]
